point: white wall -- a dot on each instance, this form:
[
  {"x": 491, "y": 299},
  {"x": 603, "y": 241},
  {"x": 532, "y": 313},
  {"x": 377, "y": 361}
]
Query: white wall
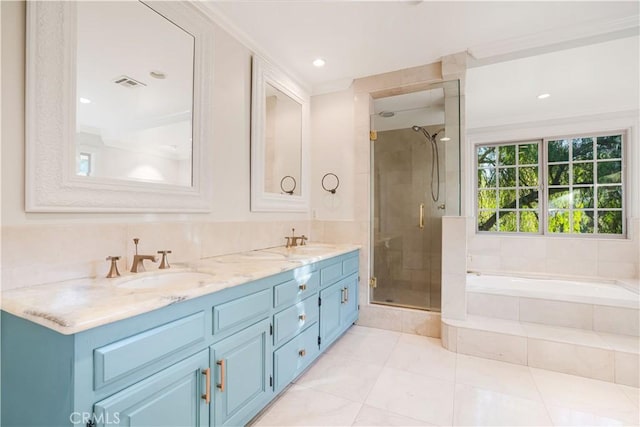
[
  {"x": 332, "y": 151},
  {"x": 40, "y": 247}
]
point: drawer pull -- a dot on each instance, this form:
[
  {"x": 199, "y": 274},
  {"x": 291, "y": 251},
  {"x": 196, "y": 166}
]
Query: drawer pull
[
  {"x": 342, "y": 296},
  {"x": 302, "y": 317},
  {"x": 207, "y": 391},
  {"x": 303, "y": 287},
  {"x": 302, "y": 352},
  {"x": 221, "y": 364}
]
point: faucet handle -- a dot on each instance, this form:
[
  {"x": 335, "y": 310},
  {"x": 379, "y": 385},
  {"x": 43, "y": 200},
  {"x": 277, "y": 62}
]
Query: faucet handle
[
  {"x": 165, "y": 262},
  {"x": 303, "y": 240},
  {"x": 113, "y": 269}
]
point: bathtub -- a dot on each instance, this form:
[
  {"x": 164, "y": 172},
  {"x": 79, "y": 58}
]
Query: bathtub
[{"x": 602, "y": 292}]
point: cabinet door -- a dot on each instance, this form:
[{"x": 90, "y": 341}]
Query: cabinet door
[
  {"x": 242, "y": 366},
  {"x": 330, "y": 313},
  {"x": 172, "y": 397},
  {"x": 349, "y": 307},
  {"x": 339, "y": 309}
]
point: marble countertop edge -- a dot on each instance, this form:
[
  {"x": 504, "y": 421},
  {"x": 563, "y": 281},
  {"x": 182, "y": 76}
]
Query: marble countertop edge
[{"x": 77, "y": 305}]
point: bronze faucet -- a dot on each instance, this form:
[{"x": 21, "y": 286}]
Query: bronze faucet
[
  {"x": 294, "y": 240},
  {"x": 165, "y": 262},
  {"x": 113, "y": 269},
  {"x": 138, "y": 260}
]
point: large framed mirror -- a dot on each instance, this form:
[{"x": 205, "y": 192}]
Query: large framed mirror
[
  {"x": 118, "y": 107},
  {"x": 279, "y": 141}
]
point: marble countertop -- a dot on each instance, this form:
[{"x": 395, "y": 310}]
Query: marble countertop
[{"x": 77, "y": 305}]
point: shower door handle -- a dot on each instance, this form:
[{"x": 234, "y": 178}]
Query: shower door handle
[{"x": 421, "y": 221}]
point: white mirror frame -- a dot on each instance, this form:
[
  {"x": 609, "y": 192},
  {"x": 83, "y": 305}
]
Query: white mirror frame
[
  {"x": 51, "y": 182},
  {"x": 263, "y": 72}
]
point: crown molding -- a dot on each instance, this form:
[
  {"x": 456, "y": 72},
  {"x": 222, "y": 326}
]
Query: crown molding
[{"x": 557, "y": 37}]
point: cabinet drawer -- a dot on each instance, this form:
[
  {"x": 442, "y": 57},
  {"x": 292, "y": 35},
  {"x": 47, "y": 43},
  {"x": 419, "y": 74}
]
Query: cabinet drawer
[
  {"x": 241, "y": 311},
  {"x": 296, "y": 289},
  {"x": 288, "y": 323},
  {"x": 350, "y": 265},
  {"x": 292, "y": 358},
  {"x": 330, "y": 273},
  {"x": 121, "y": 358}
]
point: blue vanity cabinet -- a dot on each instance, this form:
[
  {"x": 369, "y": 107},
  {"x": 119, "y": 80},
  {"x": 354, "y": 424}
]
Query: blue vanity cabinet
[
  {"x": 175, "y": 396},
  {"x": 242, "y": 366},
  {"x": 295, "y": 326},
  {"x": 248, "y": 341},
  {"x": 294, "y": 357},
  {"x": 338, "y": 299}
]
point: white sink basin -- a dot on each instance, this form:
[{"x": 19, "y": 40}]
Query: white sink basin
[
  {"x": 310, "y": 249},
  {"x": 167, "y": 280}
]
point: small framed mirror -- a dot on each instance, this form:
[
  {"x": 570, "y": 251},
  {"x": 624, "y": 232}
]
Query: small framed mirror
[
  {"x": 118, "y": 101},
  {"x": 279, "y": 141}
]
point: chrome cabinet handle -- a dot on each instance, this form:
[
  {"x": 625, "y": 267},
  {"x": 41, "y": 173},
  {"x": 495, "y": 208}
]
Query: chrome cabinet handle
[
  {"x": 303, "y": 287},
  {"x": 421, "y": 223},
  {"x": 302, "y": 317},
  {"x": 346, "y": 294},
  {"x": 302, "y": 352},
  {"x": 207, "y": 392}
]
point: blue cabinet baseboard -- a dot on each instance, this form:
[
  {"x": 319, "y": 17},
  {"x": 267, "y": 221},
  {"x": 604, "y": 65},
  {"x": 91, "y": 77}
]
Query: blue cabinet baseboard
[{"x": 246, "y": 343}]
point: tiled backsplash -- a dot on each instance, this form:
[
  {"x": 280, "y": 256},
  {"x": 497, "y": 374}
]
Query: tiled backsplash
[
  {"x": 36, "y": 254},
  {"x": 566, "y": 256}
]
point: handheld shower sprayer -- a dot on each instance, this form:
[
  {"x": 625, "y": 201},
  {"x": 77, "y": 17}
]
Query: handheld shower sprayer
[{"x": 435, "y": 160}]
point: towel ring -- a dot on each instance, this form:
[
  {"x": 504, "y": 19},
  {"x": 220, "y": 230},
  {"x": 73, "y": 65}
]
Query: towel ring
[
  {"x": 289, "y": 192},
  {"x": 331, "y": 190}
]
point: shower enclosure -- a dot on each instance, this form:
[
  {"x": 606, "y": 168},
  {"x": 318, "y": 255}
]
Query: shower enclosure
[{"x": 415, "y": 164}]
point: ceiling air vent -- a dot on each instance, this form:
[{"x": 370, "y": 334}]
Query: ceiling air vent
[{"x": 128, "y": 82}]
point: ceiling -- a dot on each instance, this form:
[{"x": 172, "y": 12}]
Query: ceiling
[
  {"x": 587, "y": 80},
  {"x": 361, "y": 38}
]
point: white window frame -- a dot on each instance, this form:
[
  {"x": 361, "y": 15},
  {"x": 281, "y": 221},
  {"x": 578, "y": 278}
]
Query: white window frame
[
  {"x": 624, "y": 183},
  {"x": 543, "y": 197},
  {"x": 538, "y": 141}
]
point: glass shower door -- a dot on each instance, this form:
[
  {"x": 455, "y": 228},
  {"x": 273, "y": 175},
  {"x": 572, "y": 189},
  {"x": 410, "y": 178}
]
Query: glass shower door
[{"x": 414, "y": 153}]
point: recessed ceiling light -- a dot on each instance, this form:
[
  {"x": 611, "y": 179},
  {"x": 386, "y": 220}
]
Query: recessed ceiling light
[
  {"x": 319, "y": 62},
  {"x": 85, "y": 101},
  {"x": 445, "y": 139},
  {"x": 544, "y": 95}
]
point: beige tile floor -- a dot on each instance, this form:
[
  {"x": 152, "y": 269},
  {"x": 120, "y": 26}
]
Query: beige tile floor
[{"x": 373, "y": 377}]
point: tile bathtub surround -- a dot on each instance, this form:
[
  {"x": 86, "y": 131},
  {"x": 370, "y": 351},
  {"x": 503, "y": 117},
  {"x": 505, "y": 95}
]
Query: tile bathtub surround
[
  {"x": 582, "y": 257},
  {"x": 37, "y": 254},
  {"x": 416, "y": 382},
  {"x": 570, "y": 314}
]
